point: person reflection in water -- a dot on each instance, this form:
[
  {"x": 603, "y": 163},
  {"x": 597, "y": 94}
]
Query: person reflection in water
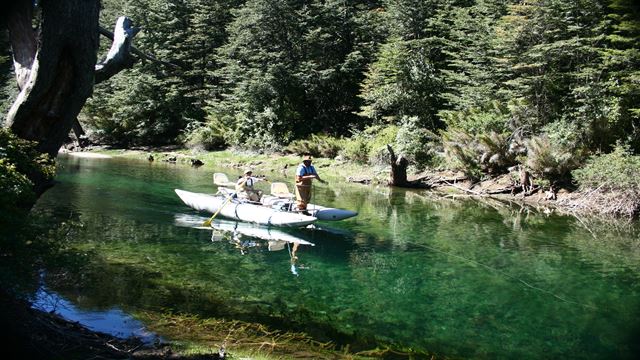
[
  {"x": 242, "y": 244},
  {"x": 294, "y": 258}
]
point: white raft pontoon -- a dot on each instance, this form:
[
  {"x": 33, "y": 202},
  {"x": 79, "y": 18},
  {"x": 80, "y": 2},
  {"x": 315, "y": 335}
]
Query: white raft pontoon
[
  {"x": 277, "y": 209},
  {"x": 243, "y": 211}
]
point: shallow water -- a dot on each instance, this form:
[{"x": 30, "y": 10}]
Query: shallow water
[
  {"x": 458, "y": 278},
  {"x": 111, "y": 321}
]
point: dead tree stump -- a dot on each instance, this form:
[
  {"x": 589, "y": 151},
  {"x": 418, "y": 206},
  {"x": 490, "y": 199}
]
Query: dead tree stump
[{"x": 399, "y": 166}]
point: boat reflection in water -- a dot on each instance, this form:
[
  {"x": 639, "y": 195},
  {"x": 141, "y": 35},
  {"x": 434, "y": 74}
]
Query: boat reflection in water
[{"x": 245, "y": 236}]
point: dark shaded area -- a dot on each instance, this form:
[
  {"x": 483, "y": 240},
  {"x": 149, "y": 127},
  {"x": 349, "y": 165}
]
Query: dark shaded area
[{"x": 33, "y": 334}]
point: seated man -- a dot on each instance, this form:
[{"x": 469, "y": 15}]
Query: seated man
[{"x": 244, "y": 187}]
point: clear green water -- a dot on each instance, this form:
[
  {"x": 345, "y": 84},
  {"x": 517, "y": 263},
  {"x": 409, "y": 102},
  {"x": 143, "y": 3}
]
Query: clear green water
[{"x": 458, "y": 278}]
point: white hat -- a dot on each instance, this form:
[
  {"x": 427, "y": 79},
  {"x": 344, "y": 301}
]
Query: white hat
[{"x": 247, "y": 170}]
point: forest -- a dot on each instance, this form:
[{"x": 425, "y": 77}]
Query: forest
[{"x": 475, "y": 85}]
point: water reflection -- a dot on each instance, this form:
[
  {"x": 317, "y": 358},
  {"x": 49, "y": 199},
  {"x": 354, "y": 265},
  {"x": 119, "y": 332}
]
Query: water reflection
[{"x": 248, "y": 237}]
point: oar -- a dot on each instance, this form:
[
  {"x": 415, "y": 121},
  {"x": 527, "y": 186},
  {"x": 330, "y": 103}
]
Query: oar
[{"x": 208, "y": 222}]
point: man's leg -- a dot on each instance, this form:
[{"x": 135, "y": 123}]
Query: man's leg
[{"x": 303, "y": 194}]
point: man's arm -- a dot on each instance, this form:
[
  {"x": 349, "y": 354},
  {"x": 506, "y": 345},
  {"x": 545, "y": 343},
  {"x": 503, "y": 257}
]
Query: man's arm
[{"x": 314, "y": 176}]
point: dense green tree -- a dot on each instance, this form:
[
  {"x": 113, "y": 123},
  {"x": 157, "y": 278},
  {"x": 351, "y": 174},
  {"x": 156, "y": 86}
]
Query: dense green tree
[
  {"x": 470, "y": 75},
  {"x": 566, "y": 65},
  {"x": 145, "y": 105},
  {"x": 336, "y": 52},
  {"x": 292, "y": 68},
  {"x": 406, "y": 78},
  {"x": 154, "y": 103},
  {"x": 22, "y": 170},
  {"x": 620, "y": 71},
  {"x": 206, "y": 33},
  {"x": 556, "y": 41},
  {"x": 264, "y": 49},
  {"x": 262, "y": 73},
  {"x": 8, "y": 88}
]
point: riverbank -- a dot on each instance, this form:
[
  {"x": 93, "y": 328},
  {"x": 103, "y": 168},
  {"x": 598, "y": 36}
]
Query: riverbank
[
  {"x": 34, "y": 334},
  {"x": 506, "y": 188}
]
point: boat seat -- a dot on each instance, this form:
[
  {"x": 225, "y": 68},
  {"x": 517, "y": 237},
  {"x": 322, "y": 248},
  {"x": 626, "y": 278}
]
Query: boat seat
[
  {"x": 221, "y": 179},
  {"x": 281, "y": 190},
  {"x": 227, "y": 192}
]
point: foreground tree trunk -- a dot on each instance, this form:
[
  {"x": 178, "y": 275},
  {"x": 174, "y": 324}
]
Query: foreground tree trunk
[
  {"x": 57, "y": 77},
  {"x": 56, "y": 66}
]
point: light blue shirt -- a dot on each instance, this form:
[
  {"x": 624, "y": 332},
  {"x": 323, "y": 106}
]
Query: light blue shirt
[{"x": 306, "y": 170}]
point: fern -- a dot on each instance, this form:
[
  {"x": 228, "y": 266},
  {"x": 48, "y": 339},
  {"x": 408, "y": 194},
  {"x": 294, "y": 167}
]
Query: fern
[
  {"x": 464, "y": 150},
  {"x": 550, "y": 161},
  {"x": 495, "y": 157}
]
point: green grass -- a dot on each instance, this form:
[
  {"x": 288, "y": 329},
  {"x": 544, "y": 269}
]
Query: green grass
[
  {"x": 263, "y": 164},
  {"x": 191, "y": 335}
]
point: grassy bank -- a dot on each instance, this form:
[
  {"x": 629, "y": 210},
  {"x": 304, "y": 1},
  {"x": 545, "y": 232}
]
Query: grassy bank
[{"x": 262, "y": 164}]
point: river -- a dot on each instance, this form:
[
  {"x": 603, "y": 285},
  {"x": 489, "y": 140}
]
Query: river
[{"x": 458, "y": 278}]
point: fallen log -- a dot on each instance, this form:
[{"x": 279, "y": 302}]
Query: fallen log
[{"x": 466, "y": 190}]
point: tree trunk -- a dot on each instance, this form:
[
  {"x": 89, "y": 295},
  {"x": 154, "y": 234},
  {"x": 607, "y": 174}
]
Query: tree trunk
[
  {"x": 61, "y": 75},
  {"x": 398, "y": 169},
  {"x": 20, "y": 32}
]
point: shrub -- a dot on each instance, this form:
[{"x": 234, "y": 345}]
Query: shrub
[
  {"x": 261, "y": 143},
  {"x": 611, "y": 182},
  {"x": 328, "y": 146},
  {"x": 15, "y": 188},
  {"x": 551, "y": 161},
  {"x": 210, "y": 136},
  {"x": 496, "y": 156},
  {"x": 303, "y": 146},
  {"x": 564, "y": 133},
  {"x": 462, "y": 150},
  {"x": 258, "y": 131},
  {"x": 618, "y": 170},
  {"x": 21, "y": 165},
  {"x": 317, "y": 145},
  {"x": 370, "y": 145},
  {"x": 356, "y": 149},
  {"x": 493, "y": 116},
  {"x": 379, "y": 137},
  {"x": 416, "y": 143},
  {"x": 24, "y": 156},
  {"x": 489, "y": 153}
]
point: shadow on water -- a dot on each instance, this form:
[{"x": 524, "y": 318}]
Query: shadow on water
[{"x": 110, "y": 321}]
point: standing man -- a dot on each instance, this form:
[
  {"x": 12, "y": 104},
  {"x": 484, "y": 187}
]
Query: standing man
[{"x": 305, "y": 173}]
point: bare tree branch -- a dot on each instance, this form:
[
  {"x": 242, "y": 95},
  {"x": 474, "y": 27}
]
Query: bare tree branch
[
  {"x": 119, "y": 56},
  {"x": 134, "y": 50}
]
